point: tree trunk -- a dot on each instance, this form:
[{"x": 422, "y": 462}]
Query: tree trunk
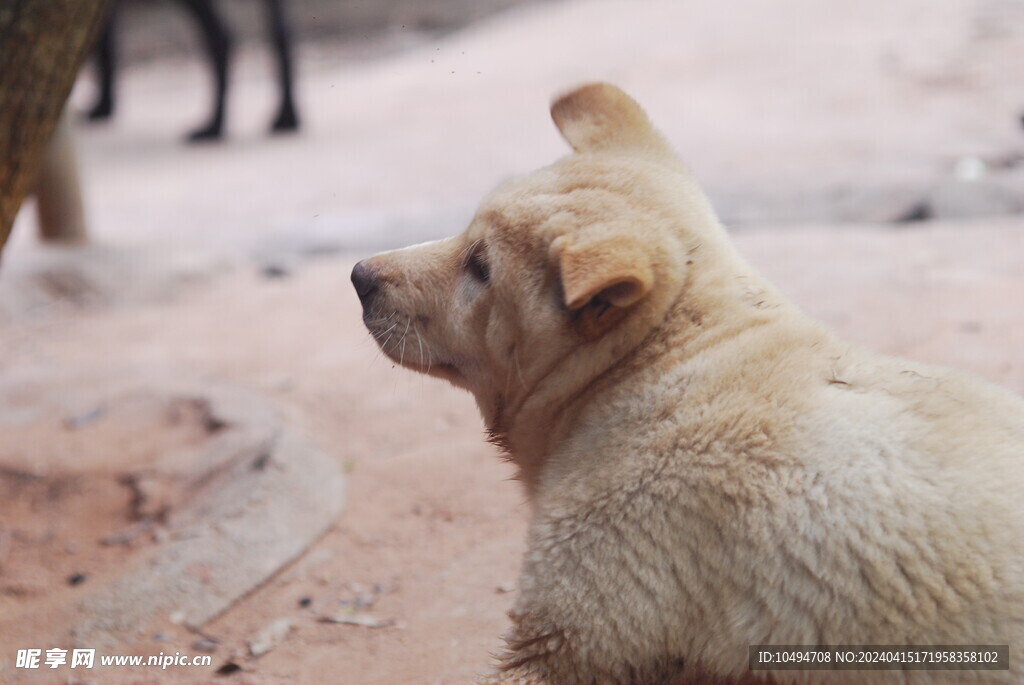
[{"x": 42, "y": 45}]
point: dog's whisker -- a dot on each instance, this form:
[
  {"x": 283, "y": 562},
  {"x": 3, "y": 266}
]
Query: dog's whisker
[
  {"x": 380, "y": 334},
  {"x": 391, "y": 331},
  {"x": 464, "y": 254},
  {"x": 425, "y": 358},
  {"x": 384, "y": 345},
  {"x": 430, "y": 359},
  {"x": 405, "y": 333},
  {"x": 419, "y": 342}
]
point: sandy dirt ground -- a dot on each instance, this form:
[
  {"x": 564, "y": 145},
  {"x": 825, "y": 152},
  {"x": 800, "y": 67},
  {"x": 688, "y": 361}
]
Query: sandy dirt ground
[{"x": 814, "y": 126}]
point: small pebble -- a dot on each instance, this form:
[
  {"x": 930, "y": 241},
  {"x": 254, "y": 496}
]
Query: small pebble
[
  {"x": 305, "y": 602},
  {"x": 970, "y": 169},
  {"x": 228, "y": 668},
  {"x": 76, "y": 579},
  {"x": 270, "y": 636},
  {"x": 362, "y": 620},
  {"x": 275, "y": 271},
  {"x": 205, "y": 645},
  {"x": 82, "y": 420}
]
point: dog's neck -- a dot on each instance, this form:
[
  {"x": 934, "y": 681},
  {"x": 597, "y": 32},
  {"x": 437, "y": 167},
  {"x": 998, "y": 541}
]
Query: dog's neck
[
  {"x": 528, "y": 434},
  {"x": 530, "y": 423}
]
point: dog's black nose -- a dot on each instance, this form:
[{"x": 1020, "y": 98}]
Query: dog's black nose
[{"x": 364, "y": 281}]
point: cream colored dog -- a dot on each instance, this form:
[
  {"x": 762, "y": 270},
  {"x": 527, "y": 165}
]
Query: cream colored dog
[{"x": 709, "y": 468}]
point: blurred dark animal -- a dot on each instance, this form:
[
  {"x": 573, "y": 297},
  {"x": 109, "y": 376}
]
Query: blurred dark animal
[{"x": 218, "y": 45}]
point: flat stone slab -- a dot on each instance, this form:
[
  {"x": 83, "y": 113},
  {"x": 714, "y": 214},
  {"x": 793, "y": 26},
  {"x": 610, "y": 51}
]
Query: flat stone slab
[{"x": 216, "y": 493}]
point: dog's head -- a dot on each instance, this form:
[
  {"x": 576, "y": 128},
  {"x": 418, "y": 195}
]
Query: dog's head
[{"x": 561, "y": 272}]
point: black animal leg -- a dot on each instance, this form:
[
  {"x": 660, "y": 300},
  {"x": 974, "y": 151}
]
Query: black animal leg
[
  {"x": 217, "y": 41},
  {"x": 106, "y": 67},
  {"x": 287, "y": 118}
]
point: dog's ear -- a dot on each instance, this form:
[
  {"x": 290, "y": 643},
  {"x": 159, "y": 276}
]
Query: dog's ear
[
  {"x": 613, "y": 271},
  {"x": 599, "y": 116}
]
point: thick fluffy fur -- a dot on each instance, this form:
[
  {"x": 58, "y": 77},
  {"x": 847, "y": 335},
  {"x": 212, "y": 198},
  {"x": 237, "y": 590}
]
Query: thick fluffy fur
[{"x": 709, "y": 468}]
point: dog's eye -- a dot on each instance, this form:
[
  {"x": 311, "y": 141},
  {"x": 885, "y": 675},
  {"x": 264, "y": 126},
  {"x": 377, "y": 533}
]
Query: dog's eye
[{"x": 477, "y": 265}]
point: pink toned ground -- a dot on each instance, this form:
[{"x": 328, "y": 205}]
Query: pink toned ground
[{"x": 774, "y": 109}]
